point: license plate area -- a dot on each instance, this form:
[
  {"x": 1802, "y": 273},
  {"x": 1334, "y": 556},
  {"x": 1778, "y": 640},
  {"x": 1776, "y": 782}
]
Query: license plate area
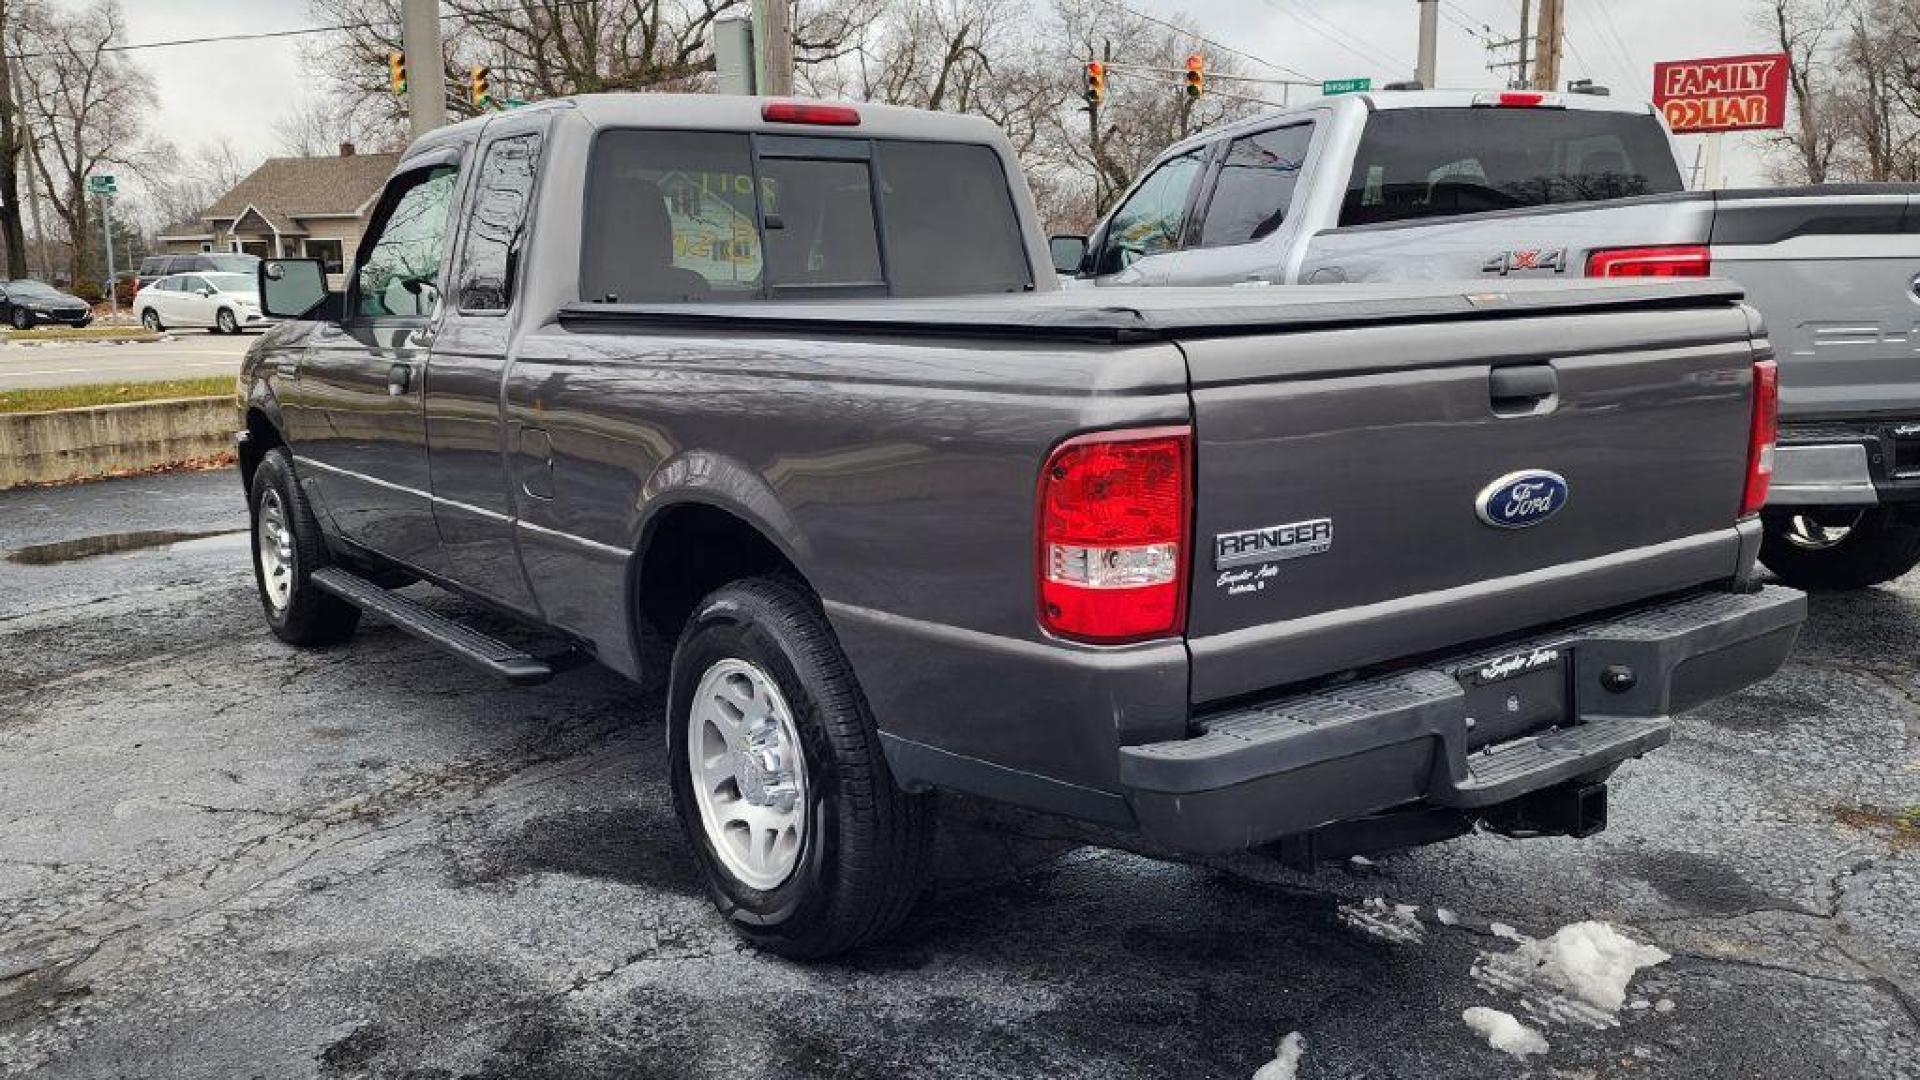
[{"x": 1511, "y": 695}]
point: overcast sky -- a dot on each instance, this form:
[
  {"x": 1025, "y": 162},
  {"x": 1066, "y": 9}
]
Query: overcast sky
[{"x": 239, "y": 90}]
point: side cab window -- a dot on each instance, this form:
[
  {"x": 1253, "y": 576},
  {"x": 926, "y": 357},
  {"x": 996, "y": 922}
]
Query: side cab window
[
  {"x": 502, "y": 200},
  {"x": 1153, "y": 219},
  {"x": 1255, "y": 186},
  {"x": 398, "y": 274}
]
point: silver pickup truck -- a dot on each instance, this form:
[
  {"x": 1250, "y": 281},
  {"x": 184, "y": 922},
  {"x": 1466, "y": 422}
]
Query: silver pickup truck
[
  {"x": 777, "y": 409},
  {"x": 1500, "y": 187}
]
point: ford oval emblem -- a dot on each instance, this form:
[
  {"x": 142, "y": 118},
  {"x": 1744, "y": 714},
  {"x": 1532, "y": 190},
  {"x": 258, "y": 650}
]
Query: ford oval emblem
[{"x": 1521, "y": 500}]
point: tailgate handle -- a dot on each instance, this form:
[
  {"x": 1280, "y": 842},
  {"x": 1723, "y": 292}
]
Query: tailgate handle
[{"x": 1523, "y": 391}]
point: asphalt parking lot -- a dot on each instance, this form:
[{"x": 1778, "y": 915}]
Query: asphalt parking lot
[
  {"x": 185, "y": 354},
  {"x": 220, "y": 857}
]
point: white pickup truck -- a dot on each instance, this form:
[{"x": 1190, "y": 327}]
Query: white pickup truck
[{"x": 1508, "y": 186}]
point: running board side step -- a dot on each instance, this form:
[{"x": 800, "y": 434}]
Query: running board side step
[{"x": 487, "y": 654}]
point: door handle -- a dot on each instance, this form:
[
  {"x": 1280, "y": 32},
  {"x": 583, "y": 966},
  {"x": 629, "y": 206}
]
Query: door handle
[
  {"x": 1522, "y": 391},
  {"x": 399, "y": 380},
  {"x": 287, "y": 368}
]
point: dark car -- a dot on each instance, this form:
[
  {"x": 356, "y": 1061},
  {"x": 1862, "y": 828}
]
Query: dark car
[
  {"x": 26, "y": 304},
  {"x": 155, "y": 267}
]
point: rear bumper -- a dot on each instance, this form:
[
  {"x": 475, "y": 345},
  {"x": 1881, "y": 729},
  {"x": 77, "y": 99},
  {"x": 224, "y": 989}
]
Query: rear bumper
[
  {"x": 1847, "y": 463},
  {"x": 1281, "y": 767}
]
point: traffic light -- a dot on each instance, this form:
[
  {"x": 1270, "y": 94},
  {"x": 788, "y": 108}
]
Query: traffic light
[
  {"x": 477, "y": 88},
  {"x": 1096, "y": 82},
  {"x": 1196, "y": 75},
  {"x": 397, "y": 71}
]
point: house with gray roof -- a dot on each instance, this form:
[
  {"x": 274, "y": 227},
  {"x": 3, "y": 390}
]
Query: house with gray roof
[{"x": 289, "y": 208}]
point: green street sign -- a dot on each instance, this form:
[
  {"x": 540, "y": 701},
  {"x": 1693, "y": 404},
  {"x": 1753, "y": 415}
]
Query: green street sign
[
  {"x": 1345, "y": 86},
  {"x": 103, "y": 185}
]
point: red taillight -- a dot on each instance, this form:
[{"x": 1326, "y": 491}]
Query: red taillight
[
  {"x": 804, "y": 112},
  {"x": 1765, "y": 432},
  {"x": 1521, "y": 101},
  {"x": 1114, "y": 510},
  {"x": 1686, "y": 260}
]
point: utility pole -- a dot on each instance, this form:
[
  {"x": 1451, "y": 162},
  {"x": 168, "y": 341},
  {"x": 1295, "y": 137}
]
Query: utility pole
[
  {"x": 426, "y": 65},
  {"x": 1549, "y": 44},
  {"x": 1429, "y": 43},
  {"x": 1522, "y": 78},
  {"x": 773, "y": 47},
  {"x": 113, "y": 273}
]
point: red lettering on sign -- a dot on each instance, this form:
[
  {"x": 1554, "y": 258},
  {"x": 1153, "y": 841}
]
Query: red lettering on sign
[{"x": 1728, "y": 93}]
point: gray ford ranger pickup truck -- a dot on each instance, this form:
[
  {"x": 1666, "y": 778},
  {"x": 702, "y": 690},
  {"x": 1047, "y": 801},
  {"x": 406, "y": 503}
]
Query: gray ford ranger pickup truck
[
  {"x": 1508, "y": 186},
  {"x": 778, "y": 409}
]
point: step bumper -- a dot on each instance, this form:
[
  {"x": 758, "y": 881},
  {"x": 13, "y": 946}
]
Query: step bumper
[{"x": 1588, "y": 697}]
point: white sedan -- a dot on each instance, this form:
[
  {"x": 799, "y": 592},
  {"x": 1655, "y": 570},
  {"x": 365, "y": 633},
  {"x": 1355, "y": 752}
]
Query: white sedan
[{"x": 223, "y": 303}]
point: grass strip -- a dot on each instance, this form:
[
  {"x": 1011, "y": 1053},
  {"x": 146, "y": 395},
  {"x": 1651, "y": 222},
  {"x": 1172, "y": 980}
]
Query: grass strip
[{"x": 49, "y": 398}]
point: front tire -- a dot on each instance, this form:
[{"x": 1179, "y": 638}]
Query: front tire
[
  {"x": 1834, "y": 551},
  {"x": 151, "y": 320},
  {"x": 805, "y": 842},
  {"x": 287, "y": 548},
  {"x": 22, "y": 319}
]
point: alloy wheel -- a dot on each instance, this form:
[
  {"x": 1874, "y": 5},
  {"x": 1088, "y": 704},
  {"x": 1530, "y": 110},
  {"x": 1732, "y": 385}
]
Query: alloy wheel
[
  {"x": 273, "y": 542},
  {"x": 749, "y": 774}
]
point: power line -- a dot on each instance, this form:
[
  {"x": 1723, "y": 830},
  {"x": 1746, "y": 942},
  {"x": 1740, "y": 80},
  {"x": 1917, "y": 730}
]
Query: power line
[
  {"x": 1335, "y": 35},
  {"x": 1209, "y": 42}
]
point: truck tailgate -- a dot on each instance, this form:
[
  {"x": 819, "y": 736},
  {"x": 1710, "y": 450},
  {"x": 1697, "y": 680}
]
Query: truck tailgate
[
  {"x": 1837, "y": 276},
  {"x": 1377, "y": 442}
]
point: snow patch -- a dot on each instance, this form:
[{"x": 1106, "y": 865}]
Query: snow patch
[
  {"x": 1286, "y": 1060},
  {"x": 1447, "y": 918},
  {"x": 1502, "y": 930},
  {"x": 1503, "y": 1032},
  {"x": 1360, "y": 860},
  {"x": 1398, "y": 923},
  {"x": 1585, "y": 969},
  {"x": 1664, "y": 1005}
]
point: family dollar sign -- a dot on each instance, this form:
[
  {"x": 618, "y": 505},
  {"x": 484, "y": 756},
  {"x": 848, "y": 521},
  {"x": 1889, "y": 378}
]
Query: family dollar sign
[{"x": 1728, "y": 93}]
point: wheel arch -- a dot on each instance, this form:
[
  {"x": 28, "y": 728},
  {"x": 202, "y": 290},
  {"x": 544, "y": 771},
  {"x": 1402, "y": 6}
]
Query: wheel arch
[
  {"x": 689, "y": 547},
  {"x": 263, "y": 432}
]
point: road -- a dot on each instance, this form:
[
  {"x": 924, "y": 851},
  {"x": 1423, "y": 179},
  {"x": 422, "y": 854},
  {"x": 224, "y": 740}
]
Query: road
[
  {"x": 187, "y": 355},
  {"x": 220, "y": 857}
]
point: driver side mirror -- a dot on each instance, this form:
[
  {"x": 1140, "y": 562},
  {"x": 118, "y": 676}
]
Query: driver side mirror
[
  {"x": 295, "y": 289},
  {"x": 1068, "y": 253}
]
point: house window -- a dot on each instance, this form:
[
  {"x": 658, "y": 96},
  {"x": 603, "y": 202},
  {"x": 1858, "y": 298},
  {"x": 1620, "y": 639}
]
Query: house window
[
  {"x": 234, "y": 245},
  {"x": 328, "y": 252},
  {"x": 206, "y": 245}
]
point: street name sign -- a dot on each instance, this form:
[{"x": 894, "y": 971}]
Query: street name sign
[{"x": 1345, "y": 86}]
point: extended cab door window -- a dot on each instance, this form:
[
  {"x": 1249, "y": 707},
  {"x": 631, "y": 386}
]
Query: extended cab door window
[
  {"x": 1255, "y": 187},
  {"x": 1151, "y": 220},
  {"x": 490, "y": 257},
  {"x": 400, "y": 274}
]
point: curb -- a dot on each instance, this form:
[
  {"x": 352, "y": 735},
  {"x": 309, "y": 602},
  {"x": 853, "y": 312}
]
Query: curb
[{"x": 76, "y": 444}]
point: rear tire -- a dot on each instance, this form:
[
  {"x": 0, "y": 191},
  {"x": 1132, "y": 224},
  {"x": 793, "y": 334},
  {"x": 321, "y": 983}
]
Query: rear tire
[
  {"x": 225, "y": 323},
  {"x": 151, "y": 320},
  {"x": 287, "y": 548},
  {"x": 22, "y": 319},
  {"x": 823, "y": 852},
  {"x": 1834, "y": 552}
]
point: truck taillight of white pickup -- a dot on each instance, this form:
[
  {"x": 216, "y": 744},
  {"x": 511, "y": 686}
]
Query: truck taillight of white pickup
[
  {"x": 1675, "y": 261},
  {"x": 1114, "y": 513},
  {"x": 1765, "y": 433}
]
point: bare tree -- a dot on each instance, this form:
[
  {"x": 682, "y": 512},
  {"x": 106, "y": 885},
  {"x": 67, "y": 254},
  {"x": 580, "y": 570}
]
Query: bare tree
[
  {"x": 183, "y": 188},
  {"x": 1802, "y": 28},
  {"x": 84, "y": 103},
  {"x": 13, "y": 140}
]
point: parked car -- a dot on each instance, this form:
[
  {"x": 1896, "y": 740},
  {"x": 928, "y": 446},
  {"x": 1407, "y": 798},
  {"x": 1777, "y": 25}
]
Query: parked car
[
  {"x": 1503, "y": 186},
  {"x": 26, "y": 304},
  {"x": 871, "y": 507},
  {"x": 155, "y": 267},
  {"x": 222, "y": 303}
]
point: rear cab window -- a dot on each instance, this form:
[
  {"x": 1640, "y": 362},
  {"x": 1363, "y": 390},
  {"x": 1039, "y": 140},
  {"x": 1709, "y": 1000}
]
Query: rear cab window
[
  {"x": 1255, "y": 188},
  {"x": 1432, "y": 163},
  {"x": 723, "y": 216}
]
